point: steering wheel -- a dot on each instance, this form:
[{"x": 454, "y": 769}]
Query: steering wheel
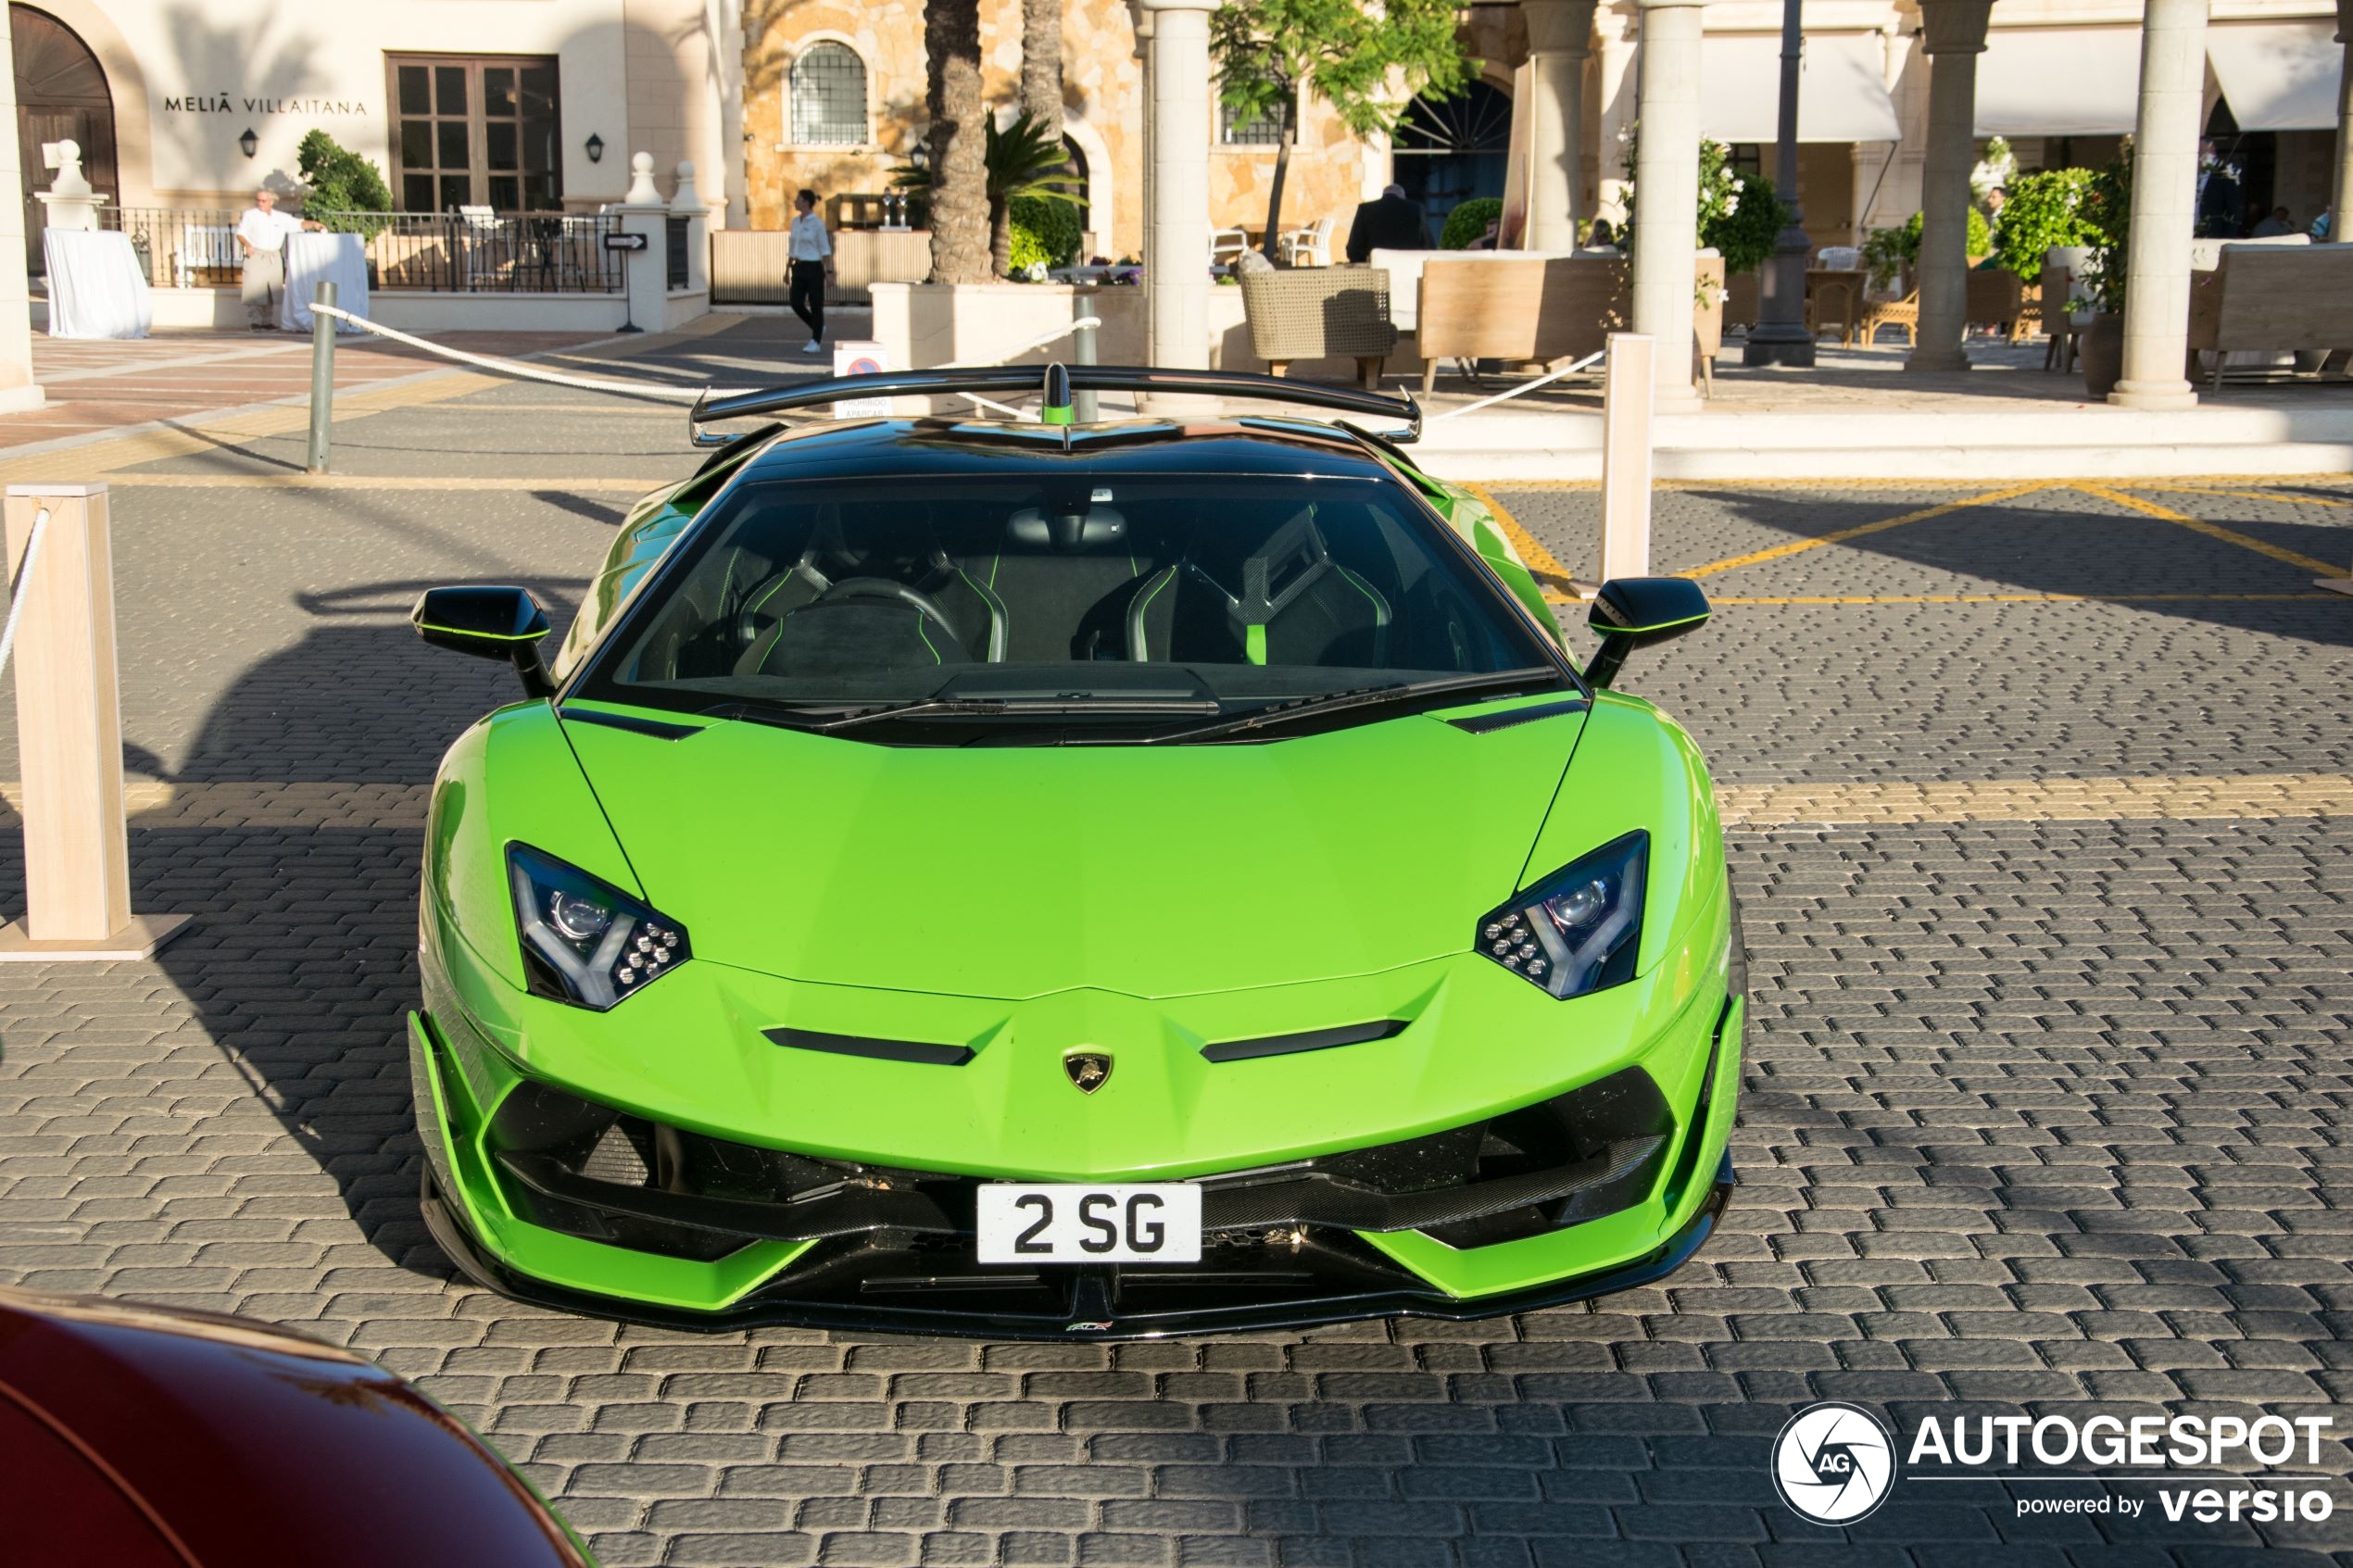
[{"x": 922, "y": 603}]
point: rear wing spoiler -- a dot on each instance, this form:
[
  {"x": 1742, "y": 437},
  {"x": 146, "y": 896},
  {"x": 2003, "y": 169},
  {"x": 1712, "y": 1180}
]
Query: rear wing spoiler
[{"x": 1056, "y": 382}]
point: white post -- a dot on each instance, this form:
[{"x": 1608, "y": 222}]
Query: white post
[
  {"x": 2156, "y": 253},
  {"x": 1666, "y": 194},
  {"x": 2343, "y": 183},
  {"x": 69, "y": 203},
  {"x": 646, "y": 274},
  {"x": 1560, "y": 34},
  {"x": 1176, "y": 253},
  {"x": 1629, "y": 383},
  {"x": 77, "y": 851},
  {"x": 17, "y": 388},
  {"x": 1954, "y": 35}
]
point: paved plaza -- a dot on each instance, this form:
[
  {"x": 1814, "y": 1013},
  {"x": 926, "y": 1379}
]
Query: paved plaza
[{"x": 2041, "y": 799}]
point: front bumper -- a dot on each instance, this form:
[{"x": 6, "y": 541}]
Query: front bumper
[{"x": 1321, "y": 1241}]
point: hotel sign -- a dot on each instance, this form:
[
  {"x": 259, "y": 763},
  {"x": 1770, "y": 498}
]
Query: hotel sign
[{"x": 224, "y": 103}]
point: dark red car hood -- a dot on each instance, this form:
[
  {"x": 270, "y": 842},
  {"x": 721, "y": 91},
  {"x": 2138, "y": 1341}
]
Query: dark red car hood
[{"x": 192, "y": 1440}]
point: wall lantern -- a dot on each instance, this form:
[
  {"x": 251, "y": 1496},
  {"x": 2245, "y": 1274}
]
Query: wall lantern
[
  {"x": 596, "y": 148},
  {"x": 249, "y": 144}
]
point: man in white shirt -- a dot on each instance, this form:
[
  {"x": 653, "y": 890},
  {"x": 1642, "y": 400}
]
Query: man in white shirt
[
  {"x": 809, "y": 251},
  {"x": 261, "y": 235}
]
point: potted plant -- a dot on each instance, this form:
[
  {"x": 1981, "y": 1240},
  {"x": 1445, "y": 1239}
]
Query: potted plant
[{"x": 2107, "y": 211}]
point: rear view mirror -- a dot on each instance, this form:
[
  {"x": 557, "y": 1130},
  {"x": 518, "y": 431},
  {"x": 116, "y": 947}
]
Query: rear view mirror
[
  {"x": 1631, "y": 612},
  {"x": 489, "y": 623}
]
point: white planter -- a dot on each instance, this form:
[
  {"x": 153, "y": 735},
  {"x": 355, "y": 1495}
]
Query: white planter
[{"x": 923, "y": 325}]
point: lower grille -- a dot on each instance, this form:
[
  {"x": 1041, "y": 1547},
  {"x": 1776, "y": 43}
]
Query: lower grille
[{"x": 592, "y": 1171}]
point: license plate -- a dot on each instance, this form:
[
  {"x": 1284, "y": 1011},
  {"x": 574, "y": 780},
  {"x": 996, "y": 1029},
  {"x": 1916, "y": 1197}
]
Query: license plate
[{"x": 1077, "y": 1223}]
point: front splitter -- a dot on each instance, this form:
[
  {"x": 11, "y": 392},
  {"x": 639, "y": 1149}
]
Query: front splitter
[{"x": 1085, "y": 1322}]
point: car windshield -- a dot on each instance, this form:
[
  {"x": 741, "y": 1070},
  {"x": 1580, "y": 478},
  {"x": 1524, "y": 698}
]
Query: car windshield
[{"x": 1097, "y": 594}]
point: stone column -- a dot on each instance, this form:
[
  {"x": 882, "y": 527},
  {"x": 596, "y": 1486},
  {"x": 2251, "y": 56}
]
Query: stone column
[
  {"x": 1176, "y": 253},
  {"x": 16, "y": 388},
  {"x": 687, "y": 203},
  {"x": 1560, "y": 35},
  {"x": 2156, "y": 253},
  {"x": 1953, "y": 35},
  {"x": 69, "y": 203},
  {"x": 2343, "y": 183},
  {"x": 1666, "y": 194},
  {"x": 1617, "y": 92},
  {"x": 646, "y": 274}
]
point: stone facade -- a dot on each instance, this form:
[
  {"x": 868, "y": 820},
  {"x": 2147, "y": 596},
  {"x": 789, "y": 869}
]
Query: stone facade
[{"x": 1103, "y": 88}]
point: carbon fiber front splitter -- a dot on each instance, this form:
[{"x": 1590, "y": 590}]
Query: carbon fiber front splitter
[{"x": 1091, "y": 1314}]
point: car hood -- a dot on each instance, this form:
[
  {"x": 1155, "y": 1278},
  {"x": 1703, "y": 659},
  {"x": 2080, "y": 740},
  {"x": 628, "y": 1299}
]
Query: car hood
[{"x": 1017, "y": 872}]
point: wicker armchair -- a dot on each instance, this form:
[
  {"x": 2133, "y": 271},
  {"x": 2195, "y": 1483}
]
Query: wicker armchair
[
  {"x": 1904, "y": 313},
  {"x": 1320, "y": 312}
]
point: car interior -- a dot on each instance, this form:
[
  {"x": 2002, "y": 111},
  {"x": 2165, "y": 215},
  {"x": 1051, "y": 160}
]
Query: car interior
[{"x": 1265, "y": 573}]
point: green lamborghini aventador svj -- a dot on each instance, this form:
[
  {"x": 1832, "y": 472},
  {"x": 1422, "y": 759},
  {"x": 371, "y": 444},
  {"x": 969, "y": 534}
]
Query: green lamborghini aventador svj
[{"x": 1070, "y": 879}]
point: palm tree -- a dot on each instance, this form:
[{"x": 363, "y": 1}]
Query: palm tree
[
  {"x": 1023, "y": 159},
  {"x": 960, "y": 182},
  {"x": 1041, "y": 64}
]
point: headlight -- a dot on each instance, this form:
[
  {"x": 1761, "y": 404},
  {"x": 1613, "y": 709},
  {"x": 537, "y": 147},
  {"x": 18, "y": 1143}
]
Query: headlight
[
  {"x": 586, "y": 941},
  {"x": 1577, "y": 930}
]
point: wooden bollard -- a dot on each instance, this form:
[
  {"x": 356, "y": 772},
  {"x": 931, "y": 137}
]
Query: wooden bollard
[
  {"x": 1626, "y": 399},
  {"x": 77, "y": 854}
]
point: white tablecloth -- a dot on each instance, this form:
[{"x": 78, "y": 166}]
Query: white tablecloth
[
  {"x": 315, "y": 259},
  {"x": 97, "y": 287}
]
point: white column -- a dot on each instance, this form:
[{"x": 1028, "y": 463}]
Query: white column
[
  {"x": 1177, "y": 253},
  {"x": 17, "y": 388},
  {"x": 1666, "y": 194},
  {"x": 1617, "y": 90},
  {"x": 2157, "y": 256},
  {"x": 2343, "y": 184},
  {"x": 1953, "y": 35},
  {"x": 1560, "y": 37}
]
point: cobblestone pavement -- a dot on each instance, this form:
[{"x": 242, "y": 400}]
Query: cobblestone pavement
[{"x": 2044, "y": 1105}]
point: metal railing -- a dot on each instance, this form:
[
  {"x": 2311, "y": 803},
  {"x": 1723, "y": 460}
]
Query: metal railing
[
  {"x": 430, "y": 252},
  {"x": 675, "y": 232},
  {"x": 180, "y": 247}
]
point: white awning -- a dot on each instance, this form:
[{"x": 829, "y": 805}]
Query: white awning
[
  {"x": 1842, "y": 91},
  {"x": 2059, "y": 81},
  {"x": 2278, "y": 76}
]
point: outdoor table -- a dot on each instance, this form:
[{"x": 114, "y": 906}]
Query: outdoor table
[
  {"x": 313, "y": 258},
  {"x": 98, "y": 287}
]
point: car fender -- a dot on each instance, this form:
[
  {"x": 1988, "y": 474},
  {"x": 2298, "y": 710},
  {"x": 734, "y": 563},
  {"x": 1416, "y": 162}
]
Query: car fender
[{"x": 1636, "y": 768}]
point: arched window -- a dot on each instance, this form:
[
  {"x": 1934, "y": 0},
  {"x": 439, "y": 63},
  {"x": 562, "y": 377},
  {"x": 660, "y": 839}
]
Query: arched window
[{"x": 828, "y": 96}]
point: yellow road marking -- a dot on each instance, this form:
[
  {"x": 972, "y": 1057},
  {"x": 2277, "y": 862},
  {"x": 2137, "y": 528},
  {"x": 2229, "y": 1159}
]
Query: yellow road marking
[
  {"x": 1985, "y": 498},
  {"x": 2211, "y": 530},
  {"x": 2179, "y": 798},
  {"x": 1541, "y": 563},
  {"x": 372, "y": 482},
  {"x": 2245, "y": 495},
  {"x": 2259, "y": 795},
  {"x": 2007, "y": 598}
]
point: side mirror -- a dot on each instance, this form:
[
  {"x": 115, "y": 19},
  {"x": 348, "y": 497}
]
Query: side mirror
[
  {"x": 1632, "y": 612},
  {"x": 489, "y": 623}
]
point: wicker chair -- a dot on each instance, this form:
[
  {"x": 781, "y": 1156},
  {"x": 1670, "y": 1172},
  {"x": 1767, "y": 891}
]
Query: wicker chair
[
  {"x": 1904, "y": 313},
  {"x": 1320, "y": 312}
]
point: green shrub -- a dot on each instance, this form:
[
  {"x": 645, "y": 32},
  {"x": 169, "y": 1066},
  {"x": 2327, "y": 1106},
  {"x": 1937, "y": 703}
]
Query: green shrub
[
  {"x": 2045, "y": 209},
  {"x": 1740, "y": 215},
  {"x": 1468, "y": 221},
  {"x": 342, "y": 185},
  {"x": 1044, "y": 230},
  {"x": 1885, "y": 250}
]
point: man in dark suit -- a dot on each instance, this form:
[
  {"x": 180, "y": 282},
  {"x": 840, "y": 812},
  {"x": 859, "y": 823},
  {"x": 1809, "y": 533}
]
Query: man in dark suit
[
  {"x": 1390, "y": 223},
  {"x": 2221, "y": 207}
]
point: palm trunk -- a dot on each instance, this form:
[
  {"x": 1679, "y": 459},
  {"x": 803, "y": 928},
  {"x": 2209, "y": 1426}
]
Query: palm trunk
[
  {"x": 1001, "y": 237},
  {"x": 1275, "y": 191},
  {"x": 1041, "y": 63},
  {"x": 960, "y": 174}
]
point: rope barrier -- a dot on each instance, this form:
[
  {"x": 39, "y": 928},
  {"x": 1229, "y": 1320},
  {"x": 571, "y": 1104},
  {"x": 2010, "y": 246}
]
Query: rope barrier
[
  {"x": 1516, "y": 391},
  {"x": 24, "y": 576}
]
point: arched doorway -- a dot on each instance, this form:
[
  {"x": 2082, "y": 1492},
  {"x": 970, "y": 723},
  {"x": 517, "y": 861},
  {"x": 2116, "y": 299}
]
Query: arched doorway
[
  {"x": 61, "y": 95},
  {"x": 1448, "y": 150},
  {"x": 1078, "y": 156}
]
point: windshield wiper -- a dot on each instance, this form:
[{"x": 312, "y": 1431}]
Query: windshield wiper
[
  {"x": 1359, "y": 697},
  {"x": 977, "y": 707}
]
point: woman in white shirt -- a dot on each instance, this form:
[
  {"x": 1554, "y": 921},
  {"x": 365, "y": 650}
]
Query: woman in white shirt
[{"x": 811, "y": 253}]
